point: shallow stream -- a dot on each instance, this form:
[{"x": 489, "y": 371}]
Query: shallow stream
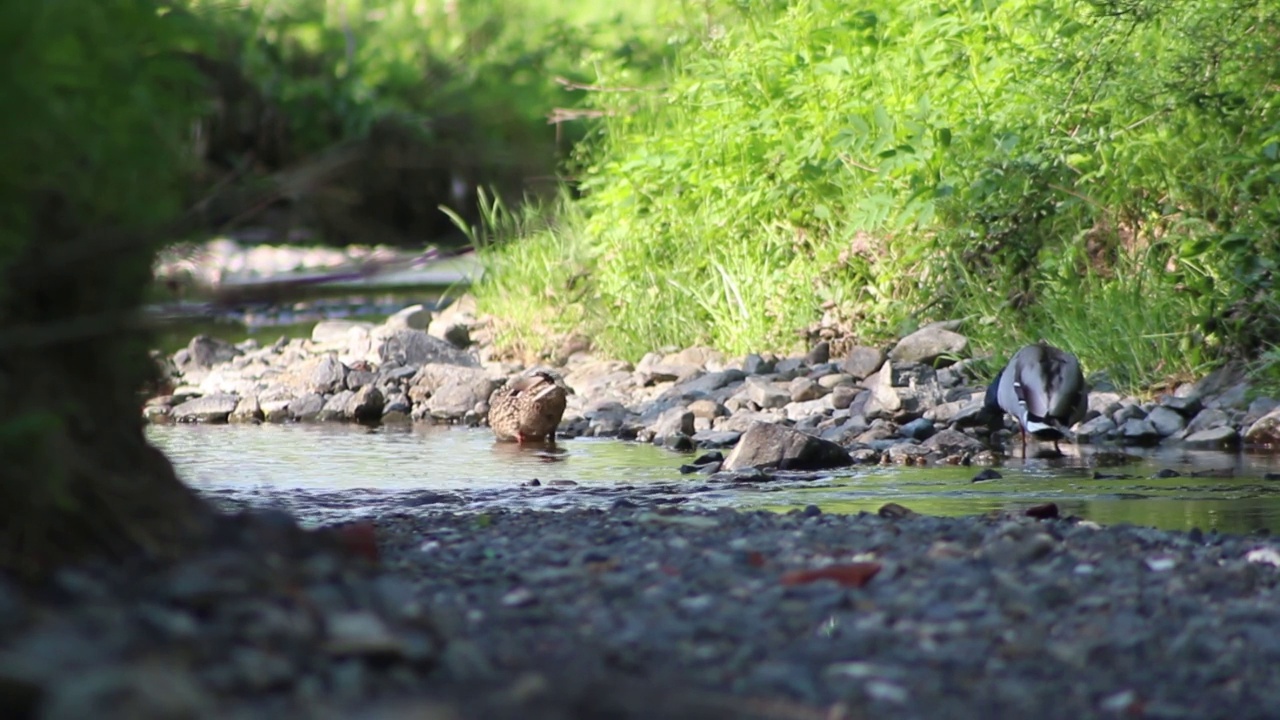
[{"x": 334, "y": 472}]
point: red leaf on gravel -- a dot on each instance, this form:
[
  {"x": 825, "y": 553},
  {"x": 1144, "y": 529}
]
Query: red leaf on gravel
[
  {"x": 851, "y": 575},
  {"x": 358, "y": 538},
  {"x": 755, "y": 558}
]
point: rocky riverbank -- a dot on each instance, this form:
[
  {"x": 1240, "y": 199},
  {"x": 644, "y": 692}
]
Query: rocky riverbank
[
  {"x": 642, "y": 611},
  {"x": 914, "y": 402}
]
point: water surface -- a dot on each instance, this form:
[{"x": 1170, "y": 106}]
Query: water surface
[{"x": 327, "y": 472}]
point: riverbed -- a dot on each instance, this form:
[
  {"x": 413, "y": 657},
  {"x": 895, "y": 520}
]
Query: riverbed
[{"x": 329, "y": 472}]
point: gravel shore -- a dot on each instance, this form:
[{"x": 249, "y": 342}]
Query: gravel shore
[
  {"x": 655, "y": 612},
  {"x": 997, "y": 617}
]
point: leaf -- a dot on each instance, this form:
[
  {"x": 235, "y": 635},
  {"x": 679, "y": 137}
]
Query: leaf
[
  {"x": 883, "y": 119},
  {"x": 835, "y": 66},
  {"x": 849, "y": 575}
]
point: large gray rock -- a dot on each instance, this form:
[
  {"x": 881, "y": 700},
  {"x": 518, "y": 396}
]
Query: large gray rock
[
  {"x": 325, "y": 375},
  {"x": 205, "y": 351},
  {"x": 1258, "y": 408},
  {"x": 884, "y": 401},
  {"x": 744, "y": 420},
  {"x": 1184, "y": 405},
  {"x": 407, "y": 347},
  {"x": 306, "y": 408},
  {"x": 952, "y": 442},
  {"x": 807, "y": 411},
  {"x": 335, "y": 408},
  {"x": 789, "y": 367},
  {"x": 707, "y": 408},
  {"x": 1235, "y": 397},
  {"x": 1265, "y": 431},
  {"x": 397, "y": 409},
  {"x": 707, "y": 384},
  {"x": 765, "y": 394},
  {"x": 1218, "y": 437},
  {"x": 904, "y": 374},
  {"x": 835, "y": 379},
  {"x": 1099, "y": 427},
  {"x": 456, "y": 334},
  {"x": 699, "y": 356},
  {"x": 274, "y": 402},
  {"x": 654, "y": 368},
  {"x": 842, "y": 396},
  {"x": 1137, "y": 431},
  {"x": 818, "y": 354},
  {"x": 804, "y": 389},
  {"x": 945, "y": 413},
  {"x": 770, "y": 446},
  {"x": 414, "y": 317},
  {"x": 450, "y": 392},
  {"x": 1215, "y": 383},
  {"x": 357, "y": 379},
  {"x": 716, "y": 438},
  {"x": 1208, "y": 419},
  {"x": 971, "y": 413},
  {"x": 1105, "y": 403},
  {"x": 671, "y": 423},
  {"x": 756, "y": 364},
  {"x": 1165, "y": 420},
  {"x": 1130, "y": 410},
  {"x": 917, "y": 399},
  {"x": 918, "y": 429},
  {"x": 207, "y": 409},
  {"x": 907, "y": 453},
  {"x": 928, "y": 344},
  {"x": 862, "y": 361},
  {"x": 247, "y": 411},
  {"x": 366, "y": 405},
  {"x": 611, "y": 379}
]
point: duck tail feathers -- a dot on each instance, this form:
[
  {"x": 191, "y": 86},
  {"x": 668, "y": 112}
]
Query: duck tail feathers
[
  {"x": 1035, "y": 426},
  {"x": 1045, "y": 430}
]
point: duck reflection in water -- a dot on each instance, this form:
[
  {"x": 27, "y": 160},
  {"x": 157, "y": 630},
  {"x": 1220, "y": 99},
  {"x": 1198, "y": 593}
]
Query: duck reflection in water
[{"x": 540, "y": 452}]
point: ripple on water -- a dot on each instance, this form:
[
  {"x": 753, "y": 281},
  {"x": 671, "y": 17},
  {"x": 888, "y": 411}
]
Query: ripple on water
[{"x": 328, "y": 473}]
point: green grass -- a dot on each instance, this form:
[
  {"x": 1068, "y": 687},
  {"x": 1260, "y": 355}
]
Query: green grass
[
  {"x": 1136, "y": 329},
  {"x": 533, "y": 286},
  {"x": 1103, "y": 175}
]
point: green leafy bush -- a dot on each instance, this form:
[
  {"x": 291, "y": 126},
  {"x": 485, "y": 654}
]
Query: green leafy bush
[{"x": 1034, "y": 165}]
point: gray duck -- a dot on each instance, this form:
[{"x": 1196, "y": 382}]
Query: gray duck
[
  {"x": 1044, "y": 389},
  {"x": 528, "y": 408}
]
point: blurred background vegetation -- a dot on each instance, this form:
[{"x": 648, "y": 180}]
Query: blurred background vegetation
[{"x": 366, "y": 115}]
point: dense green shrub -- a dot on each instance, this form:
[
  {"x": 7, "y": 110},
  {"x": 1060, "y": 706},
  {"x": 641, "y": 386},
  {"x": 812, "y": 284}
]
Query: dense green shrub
[
  {"x": 100, "y": 98},
  {"x": 1103, "y": 174}
]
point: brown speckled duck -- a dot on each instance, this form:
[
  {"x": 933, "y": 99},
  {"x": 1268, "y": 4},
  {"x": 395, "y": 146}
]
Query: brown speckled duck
[{"x": 529, "y": 407}]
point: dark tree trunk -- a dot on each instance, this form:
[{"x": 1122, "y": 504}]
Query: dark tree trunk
[{"x": 77, "y": 477}]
